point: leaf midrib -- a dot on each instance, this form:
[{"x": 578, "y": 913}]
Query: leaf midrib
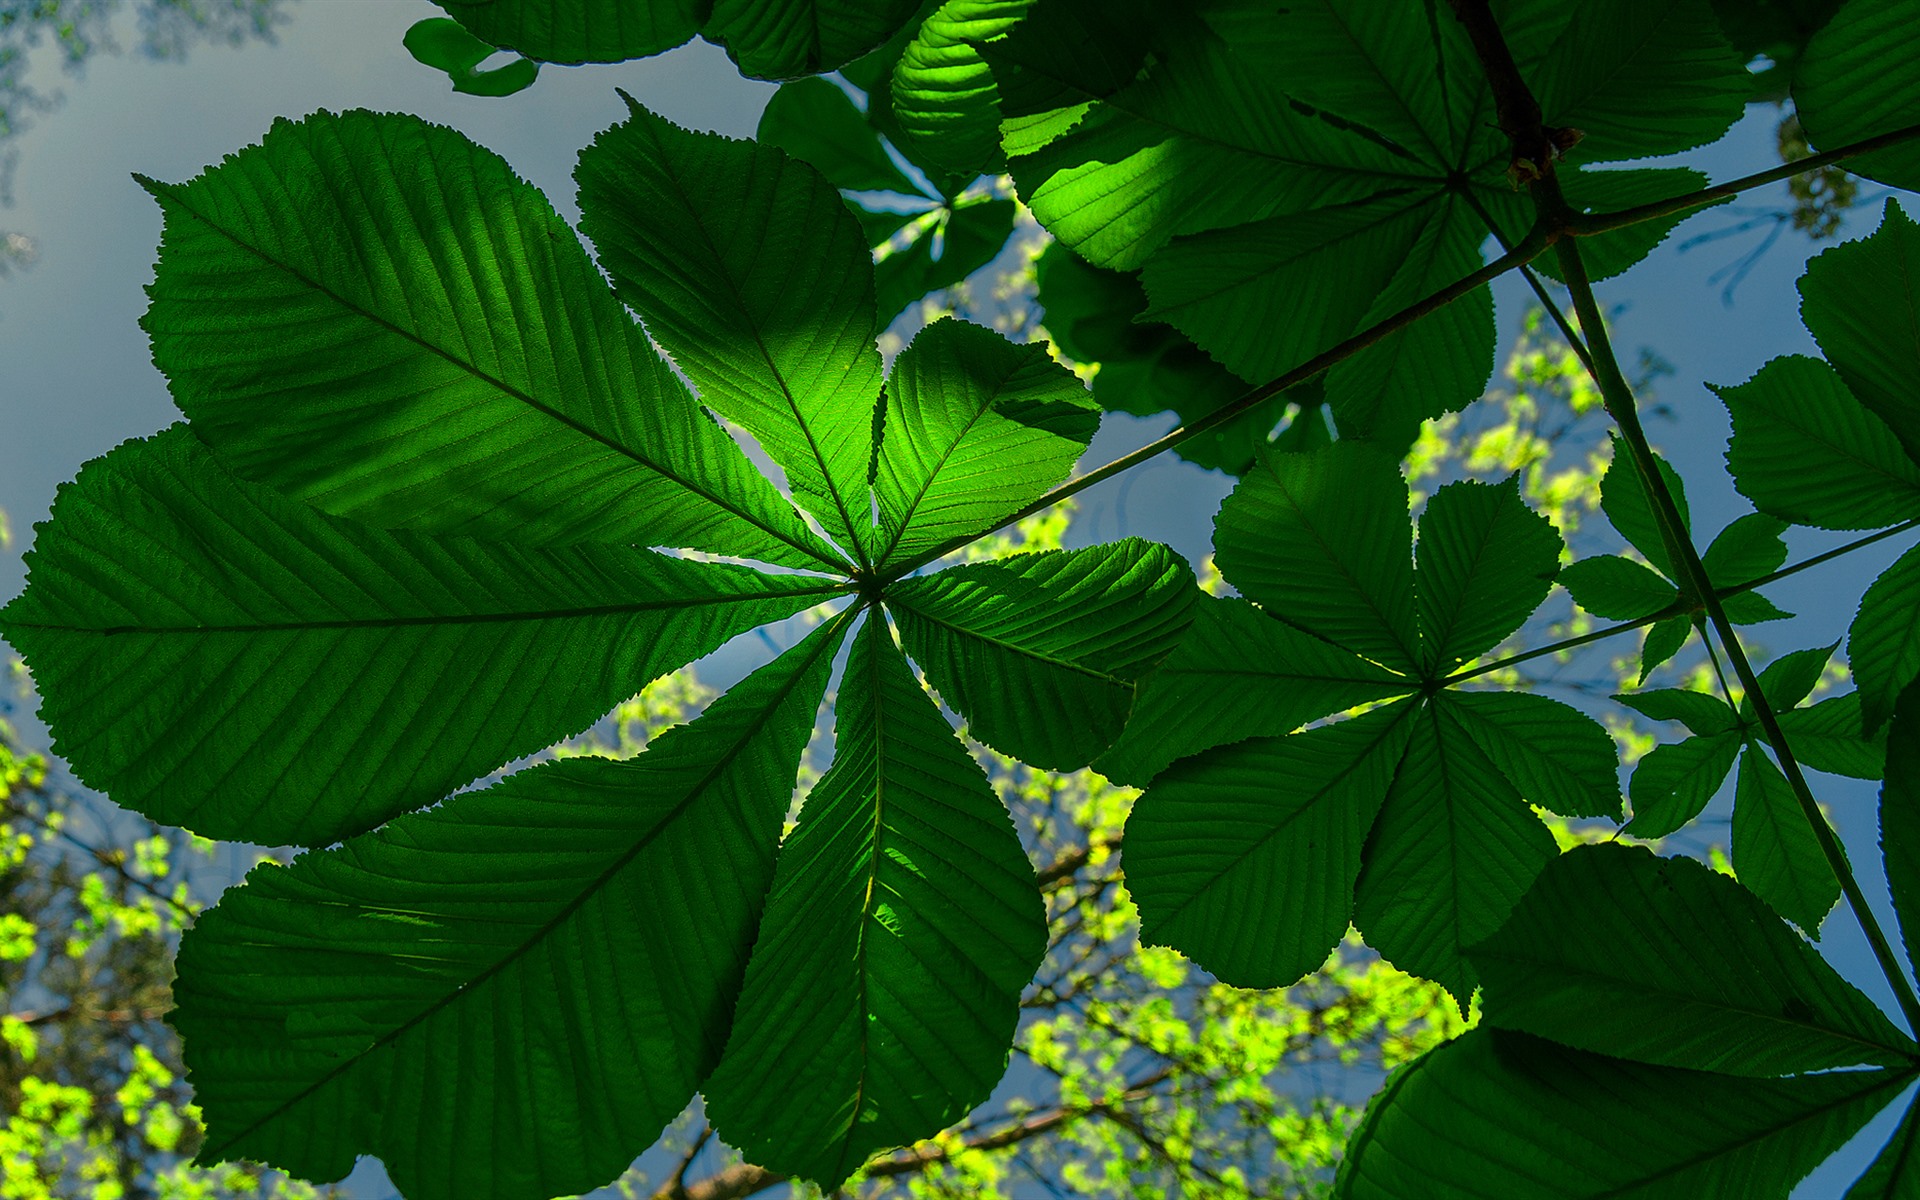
[
  {"x": 1013, "y": 648},
  {"x": 467, "y": 987},
  {"x": 175, "y": 193}
]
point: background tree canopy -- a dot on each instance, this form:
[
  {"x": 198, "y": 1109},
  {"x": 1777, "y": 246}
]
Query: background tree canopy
[{"x": 456, "y": 481}]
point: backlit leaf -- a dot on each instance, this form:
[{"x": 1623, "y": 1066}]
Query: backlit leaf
[{"x": 1775, "y": 850}]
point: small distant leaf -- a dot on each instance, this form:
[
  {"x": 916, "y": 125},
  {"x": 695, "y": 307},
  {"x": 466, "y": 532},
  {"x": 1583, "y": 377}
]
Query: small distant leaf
[
  {"x": 1497, "y": 1113},
  {"x": 1862, "y": 304},
  {"x": 445, "y": 45},
  {"x": 816, "y": 122},
  {"x": 1484, "y": 562},
  {"x": 1617, "y": 588},
  {"x": 1321, "y": 539},
  {"x": 1857, "y": 79},
  {"x": 1725, "y": 987},
  {"x": 1039, "y": 652},
  {"x": 1664, "y": 640},
  {"x": 1244, "y": 858},
  {"x": 974, "y": 235},
  {"x": 1675, "y": 781},
  {"x": 1775, "y": 850},
  {"x": 1238, "y": 673},
  {"x": 904, "y": 920},
  {"x": 1698, "y": 711},
  {"x": 1827, "y": 737},
  {"x": 1624, "y": 500},
  {"x": 1883, "y": 644},
  {"x": 1805, "y": 450},
  {"x": 1558, "y": 757},
  {"x": 1453, "y": 850}
]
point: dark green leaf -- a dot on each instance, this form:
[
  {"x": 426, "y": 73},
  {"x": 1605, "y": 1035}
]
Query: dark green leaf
[
  {"x": 1455, "y": 847},
  {"x": 975, "y": 427},
  {"x": 1485, "y": 561},
  {"x": 325, "y": 317},
  {"x": 815, "y": 122},
  {"x": 1790, "y": 679},
  {"x": 1244, "y": 858},
  {"x": 1321, "y": 540},
  {"x": 1895, "y": 1173},
  {"x": 1624, "y": 499},
  {"x": 1723, "y": 986},
  {"x": 749, "y": 270},
  {"x": 1503, "y": 1114},
  {"x": 1751, "y": 608},
  {"x": 1862, "y": 304},
  {"x": 1775, "y": 850},
  {"x": 1805, "y": 450},
  {"x": 1827, "y": 737},
  {"x": 903, "y": 923},
  {"x": 1857, "y": 79},
  {"x": 1883, "y": 644},
  {"x": 222, "y": 657},
  {"x": 1745, "y": 550},
  {"x": 1698, "y": 711},
  {"x": 1039, "y": 652},
  {"x": 576, "y": 31},
  {"x": 1617, "y": 588},
  {"x": 446, "y": 45},
  {"x": 972, "y": 236},
  {"x": 1664, "y": 640},
  {"x": 465, "y": 992},
  {"x": 1642, "y": 78},
  {"x": 944, "y": 94},
  {"x": 1238, "y": 673},
  {"x": 1605, "y": 191},
  {"x": 1900, "y": 817},
  {"x": 1558, "y": 757},
  {"x": 1675, "y": 781},
  {"x": 784, "y": 39}
]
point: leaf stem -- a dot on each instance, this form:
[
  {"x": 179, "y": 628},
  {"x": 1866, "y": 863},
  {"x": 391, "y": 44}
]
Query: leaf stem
[
  {"x": 1529, "y": 248},
  {"x": 1618, "y": 397}
]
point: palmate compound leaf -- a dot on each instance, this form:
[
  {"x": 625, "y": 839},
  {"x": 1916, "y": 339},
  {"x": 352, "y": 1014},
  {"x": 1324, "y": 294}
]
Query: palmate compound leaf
[
  {"x": 219, "y": 656},
  {"x": 970, "y": 236},
  {"x": 511, "y": 995},
  {"x": 903, "y": 923},
  {"x": 1497, "y": 1113},
  {"x": 331, "y": 318},
  {"x": 1664, "y": 961},
  {"x": 768, "y": 39},
  {"x": 1039, "y": 652},
  {"x": 747, "y": 267}
]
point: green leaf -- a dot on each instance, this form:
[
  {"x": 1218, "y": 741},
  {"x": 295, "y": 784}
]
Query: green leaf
[
  {"x": 1805, "y": 450},
  {"x": 1745, "y": 550},
  {"x": 1617, "y": 588},
  {"x": 1664, "y": 640},
  {"x": 1895, "y": 1173},
  {"x": 1454, "y": 848},
  {"x": 815, "y": 121},
  {"x": 1675, "y": 781},
  {"x": 1900, "y": 817},
  {"x": 1484, "y": 562},
  {"x": 1860, "y": 302},
  {"x": 1039, "y": 652},
  {"x": 784, "y": 39},
  {"x": 1642, "y": 78},
  {"x": 221, "y": 657},
  {"x": 1558, "y": 757},
  {"x": 577, "y": 31},
  {"x": 1238, "y": 673},
  {"x": 944, "y": 94},
  {"x": 1790, "y": 679},
  {"x": 1857, "y": 79},
  {"x": 445, "y": 45},
  {"x": 903, "y": 923},
  {"x": 1606, "y": 191},
  {"x": 1699, "y": 712},
  {"x": 972, "y": 236},
  {"x": 749, "y": 270},
  {"x": 1624, "y": 500},
  {"x": 1321, "y": 539},
  {"x": 465, "y": 992},
  {"x": 1723, "y": 987},
  {"x": 1751, "y": 608},
  {"x": 1244, "y": 858},
  {"x": 1775, "y": 850},
  {"x": 327, "y": 321},
  {"x": 1827, "y": 737},
  {"x": 1496, "y": 1113},
  {"x": 975, "y": 427},
  {"x": 1883, "y": 644}
]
